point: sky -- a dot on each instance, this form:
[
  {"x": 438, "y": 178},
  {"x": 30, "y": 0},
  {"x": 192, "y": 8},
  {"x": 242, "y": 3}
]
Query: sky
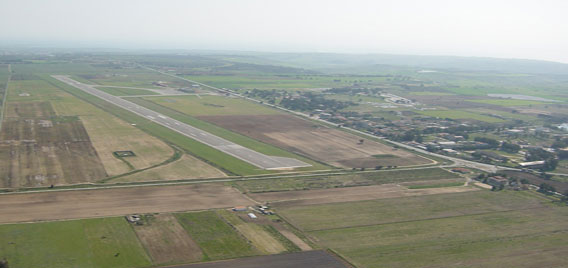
[{"x": 535, "y": 29}]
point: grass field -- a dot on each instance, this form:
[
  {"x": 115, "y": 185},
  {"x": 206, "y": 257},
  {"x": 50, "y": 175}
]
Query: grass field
[
  {"x": 212, "y": 105},
  {"x": 107, "y": 242},
  {"x": 126, "y": 91},
  {"x": 508, "y": 102},
  {"x": 347, "y": 180},
  {"x": 217, "y": 239},
  {"x": 187, "y": 167},
  {"x": 473, "y": 229},
  {"x": 459, "y": 114}
]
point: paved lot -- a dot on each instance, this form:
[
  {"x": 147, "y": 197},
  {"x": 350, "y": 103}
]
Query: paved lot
[
  {"x": 305, "y": 259},
  {"x": 255, "y": 158}
]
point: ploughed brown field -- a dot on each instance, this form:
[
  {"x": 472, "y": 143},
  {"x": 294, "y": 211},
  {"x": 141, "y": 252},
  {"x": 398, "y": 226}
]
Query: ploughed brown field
[
  {"x": 349, "y": 194},
  {"x": 78, "y": 204},
  {"x": 318, "y": 142},
  {"x": 37, "y": 148}
]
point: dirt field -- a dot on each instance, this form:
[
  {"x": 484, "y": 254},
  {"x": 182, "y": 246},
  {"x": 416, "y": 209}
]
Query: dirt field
[
  {"x": 323, "y": 196},
  {"x": 318, "y": 142},
  {"x": 116, "y": 201},
  {"x": 305, "y": 259},
  {"x": 166, "y": 241},
  {"x": 37, "y": 148}
]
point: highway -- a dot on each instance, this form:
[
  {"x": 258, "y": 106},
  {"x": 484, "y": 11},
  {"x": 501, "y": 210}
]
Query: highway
[{"x": 255, "y": 158}]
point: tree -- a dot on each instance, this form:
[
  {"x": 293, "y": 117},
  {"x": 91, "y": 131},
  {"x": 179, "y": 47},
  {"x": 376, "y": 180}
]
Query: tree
[
  {"x": 546, "y": 188},
  {"x": 4, "y": 263}
]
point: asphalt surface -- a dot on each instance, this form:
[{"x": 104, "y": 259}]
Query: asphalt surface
[
  {"x": 305, "y": 259},
  {"x": 255, "y": 158}
]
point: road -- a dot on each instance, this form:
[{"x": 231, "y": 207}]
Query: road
[
  {"x": 255, "y": 158},
  {"x": 3, "y": 104},
  {"x": 457, "y": 161}
]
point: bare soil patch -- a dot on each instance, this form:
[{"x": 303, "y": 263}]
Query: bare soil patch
[
  {"x": 316, "y": 141},
  {"x": 323, "y": 196},
  {"x": 27, "y": 207},
  {"x": 166, "y": 241},
  {"x": 39, "y": 151}
]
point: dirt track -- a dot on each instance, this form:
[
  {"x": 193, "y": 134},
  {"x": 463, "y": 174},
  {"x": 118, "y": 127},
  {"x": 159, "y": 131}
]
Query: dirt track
[
  {"x": 114, "y": 202},
  {"x": 316, "y": 141},
  {"x": 305, "y": 259},
  {"x": 312, "y": 197}
]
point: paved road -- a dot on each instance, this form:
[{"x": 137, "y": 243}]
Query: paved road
[{"x": 255, "y": 158}]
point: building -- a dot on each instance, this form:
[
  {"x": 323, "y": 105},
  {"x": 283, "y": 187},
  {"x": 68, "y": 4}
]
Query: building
[{"x": 533, "y": 164}]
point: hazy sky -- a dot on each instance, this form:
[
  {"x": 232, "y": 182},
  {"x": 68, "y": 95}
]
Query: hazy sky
[{"x": 494, "y": 28}]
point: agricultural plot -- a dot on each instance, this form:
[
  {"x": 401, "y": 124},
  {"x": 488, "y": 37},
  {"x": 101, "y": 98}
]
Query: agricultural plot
[
  {"x": 107, "y": 242},
  {"x": 459, "y": 114},
  {"x": 345, "y": 180},
  {"x": 473, "y": 229},
  {"x": 166, "y": 241},
  {"x": 350, "y": 194},
  {"x": 216, "y": 238},
  {"x": 316, "y": 141},
  {"x": 40, "y": 149},
  {"x": 61, "y": 205}
]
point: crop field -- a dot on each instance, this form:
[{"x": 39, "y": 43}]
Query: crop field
[
  {"x": 59, "y": 205},
  {"x": 40, "y": 149},
  {"x": 350, "y": 194},
  {"x": 345, "y": 180},
  {"x": 460, "y": 114},
  {"x": 217, "y": 239},
  {"x": 106, "y": 242},
  {"x": 318, "y": 142},
  {"x": 166, "y": 241},
  {"x": 471, "y": 229},
  {"x": 98, "y": 124},
  {"x": 509, "y": 102}
]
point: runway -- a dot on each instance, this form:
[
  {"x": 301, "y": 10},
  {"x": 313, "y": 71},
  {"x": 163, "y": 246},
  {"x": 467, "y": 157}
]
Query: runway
[{"x": 255, "y": 158}]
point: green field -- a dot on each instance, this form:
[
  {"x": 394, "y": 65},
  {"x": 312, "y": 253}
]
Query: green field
[
  {"x": 473, "y": 229},
  {"x": 217, "y": 239},
  {"x": 508, "y": 102},
  {"x": 460, "y": 114},
  {"x": 347, "y": 180},
  {"x": 107, "y": 242},
  {"x": 117, "y": 91},
  {"x": 212, "y": 105}
]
